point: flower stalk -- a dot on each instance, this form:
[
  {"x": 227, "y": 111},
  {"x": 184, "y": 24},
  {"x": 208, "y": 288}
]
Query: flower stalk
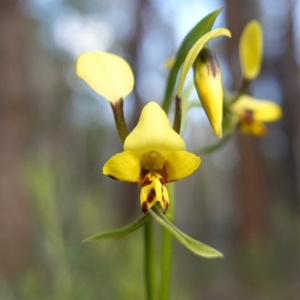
[
  {"x": 150, "y": 260},
  {"x": 167, "y": 250},
  {"x": 118, "y": 112},
  {"x": 178, "y": 114}
]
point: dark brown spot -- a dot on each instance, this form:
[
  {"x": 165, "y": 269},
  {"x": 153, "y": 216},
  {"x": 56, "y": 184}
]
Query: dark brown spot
[
  {"x": 144, "y": 207},
  {"x": 146, "y": 181},
  {"x": 248, "y": 116},
  {"x": 113, "y": 177},
  {"x": 162, "y": 181},
  {"x": 165, "y": 203},
  {"x": 209, "y": 58},
  {"x": 143, "y": 174},
  {"x": 162, "y": 172},
  {"x": 151, "y": 195}
]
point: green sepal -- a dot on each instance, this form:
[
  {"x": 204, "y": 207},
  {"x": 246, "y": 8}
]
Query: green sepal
[
  {"x": 201, "y": 28},
  {"x": 195, "y": 246},
  {"x": 120, "y": 232}
]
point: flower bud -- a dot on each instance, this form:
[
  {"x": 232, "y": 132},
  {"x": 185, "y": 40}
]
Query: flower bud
[
  {"x": 208, "y": 83},
  {"x": 251, "y": 46}
]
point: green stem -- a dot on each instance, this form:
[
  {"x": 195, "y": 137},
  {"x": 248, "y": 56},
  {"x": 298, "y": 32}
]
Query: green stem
[
  {"x": 242, "y": 90},
  {"x": 167, "y": 250},
  {"x": 150, "y": 262},
  {"x": 178, "y": 114},
  {"x": 118, "y": 112}
]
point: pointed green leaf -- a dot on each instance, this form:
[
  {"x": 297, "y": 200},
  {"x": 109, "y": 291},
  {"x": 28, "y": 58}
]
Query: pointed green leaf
[
  {"x": 199, "y": 30},
  {"x": 195, "y": 246},
  {"x": 120, "y": 232}
]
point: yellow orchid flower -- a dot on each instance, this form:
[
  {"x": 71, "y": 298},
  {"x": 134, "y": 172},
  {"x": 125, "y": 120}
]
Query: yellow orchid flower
[
  {"x": 253, "y": 113},
  {"x": 107, "y": 74},
  {"x": 211, "y": 97},
  {"x": 208, "y": 83},
  {"x": 154, "y": 155},
  {"x": 250, "y": 48}
]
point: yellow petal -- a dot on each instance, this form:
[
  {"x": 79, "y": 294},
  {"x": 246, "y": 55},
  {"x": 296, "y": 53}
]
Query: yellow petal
[
  {"x": 153, "y": 189},
  {"x": 193, "y": 53},
  {"x": 153, "y": 133},
  {"x": 253, "y": 128},
  {"x": 107, "y": 74},
  {"x": 208, "y": 83},
  {"x": 125, "y": 166},
  {"x": 180, "y": 164},
  {"x": 251, "y": 46},
  {"x": 263, "y": 110}
]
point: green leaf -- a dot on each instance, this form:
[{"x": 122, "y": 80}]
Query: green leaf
[
  {"x": 120, "y": 232},
  {"x": 193, "y": 245},
  {"x": 201, "y": 28}
]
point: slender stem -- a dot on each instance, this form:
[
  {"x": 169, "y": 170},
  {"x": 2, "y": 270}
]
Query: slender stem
[
  {"x": 178, "y": 114},
  {"x": 242, "y": 90},
  {"x": 150, "y": 262},
  {"x": 118, "y": 112},
  {"x": 167, "y": 250}
]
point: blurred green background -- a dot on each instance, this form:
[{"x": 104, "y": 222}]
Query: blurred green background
[{"x": 56, "y": 134}]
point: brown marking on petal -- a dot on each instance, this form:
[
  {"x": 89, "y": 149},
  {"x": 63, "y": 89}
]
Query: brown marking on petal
[
  {"x": 248, "y": 116},
  {"x": 146, "y": 181},
  {"x": 145, "y": 207},
  {"x": 209, "y": 58},
  {"x": 151, "y": 195},
  {"x": 143, "y": 174},
  {"x": 165, "y": 203},
  {"x": 162, "y": 181},
  {"x": 112, "y": 177},
  {"x": 162, "y": 172}
]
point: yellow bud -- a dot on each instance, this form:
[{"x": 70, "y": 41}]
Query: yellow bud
[
  {"x": 208, "y": 83},
  {"x": 251, "y": 47}
]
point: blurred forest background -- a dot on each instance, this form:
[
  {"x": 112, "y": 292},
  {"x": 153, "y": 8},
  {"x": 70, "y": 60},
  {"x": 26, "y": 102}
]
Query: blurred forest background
[{"x": 55, "y": 135}]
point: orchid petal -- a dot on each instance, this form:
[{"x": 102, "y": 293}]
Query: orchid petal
[
  {"x": 153, "y": 133},
  {"x": 263, "y": 110},
  {"x": 107, "y": 74},
  {"x": 250, "y": 48},
  {"x": 180, "y": 164},
  {"x": 125, "y": 166},
  {"x": 153, "y": 189},
  {"x": 253, "y": 128}
]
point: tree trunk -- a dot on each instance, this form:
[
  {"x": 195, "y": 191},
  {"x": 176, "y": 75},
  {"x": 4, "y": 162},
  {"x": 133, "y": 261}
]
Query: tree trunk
[
  {"x": 252, "y": 197},
  {"x": 15, "y": 234}
]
